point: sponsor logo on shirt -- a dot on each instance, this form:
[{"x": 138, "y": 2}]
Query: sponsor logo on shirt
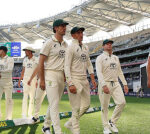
[
  {"x": 1, "y": 67},
  {"x": 113, "y": 65},
  {"x": 83, "y": 57},
  {"x": 29, "y": 65},
  {"x": 62, "y": 53}
]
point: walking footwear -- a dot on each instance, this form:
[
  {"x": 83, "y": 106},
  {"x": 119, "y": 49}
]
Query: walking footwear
[
  {"x": 35, "y": 120},
  {"x": 107, "y": 131},
  {"x": 46, "y": 130},
  {"x": 112, "y": 127}
]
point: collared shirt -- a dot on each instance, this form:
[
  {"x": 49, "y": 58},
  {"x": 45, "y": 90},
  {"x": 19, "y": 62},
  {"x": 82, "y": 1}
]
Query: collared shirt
[
  {"x": 108, "y": 68},
  {"x": 77, "y": 62},
  {"x": 6, "y": 67},
  {"x": 55, "y": 52},
  {"x": 30, "y": 65}
]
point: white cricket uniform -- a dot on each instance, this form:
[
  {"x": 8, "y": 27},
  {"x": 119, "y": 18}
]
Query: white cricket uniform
[
  {"x": 77, "y": 62},
  {"x": 39, "y": 97},
  {"x": 108, "y": 71},
  {"x": 29, "y": 91},
  {"x": 6, "y": 85},
  {"x": 54, "y": 79}
]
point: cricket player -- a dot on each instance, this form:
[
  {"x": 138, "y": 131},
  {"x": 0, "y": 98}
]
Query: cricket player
[
  {"x": 29, "y": 64},
  {"x": 6, "y": 85},
  {"x": 108, "y": 71},
  {"x": 51, "y": 69},
  {"x": 39, "y": 97},
  {"x": 148, "y": 71},
  {"x": 77, "y": 62}
]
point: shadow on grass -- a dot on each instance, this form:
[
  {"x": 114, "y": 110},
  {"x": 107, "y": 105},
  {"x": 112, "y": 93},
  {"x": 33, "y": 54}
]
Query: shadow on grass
[
  {"x": 21, "y": 129},
  {"x": 33, "y": 128}
]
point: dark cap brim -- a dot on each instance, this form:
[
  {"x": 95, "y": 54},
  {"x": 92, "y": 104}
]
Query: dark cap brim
[
  {"x": 79, "y": 29},
  {"x": 65, "y": 23},
  {"x": 110, "y": 41},
  {"x": 82, "y": 29}
]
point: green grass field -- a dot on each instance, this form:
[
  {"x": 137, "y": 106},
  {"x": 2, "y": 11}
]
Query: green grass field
[{"x": 135, "y": 118}]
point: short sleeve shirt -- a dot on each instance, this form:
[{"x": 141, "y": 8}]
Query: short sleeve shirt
[
  {"x": 55, "y": 52},
  {"x": 30, "y": 65}
]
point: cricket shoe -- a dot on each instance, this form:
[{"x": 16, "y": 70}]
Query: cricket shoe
[
  {"x": 68, "y": 125},
  {"x": 107, "y": 131},
  {"x": 46, "y": 130},
  {"x": 113, "y": 127},
  {"x": 35, "y": 120}
]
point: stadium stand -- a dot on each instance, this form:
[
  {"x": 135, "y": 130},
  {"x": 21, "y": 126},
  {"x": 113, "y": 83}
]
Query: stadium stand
[
  {"x": 132, "y": 50},
  {"x": 17, "y": 70}
]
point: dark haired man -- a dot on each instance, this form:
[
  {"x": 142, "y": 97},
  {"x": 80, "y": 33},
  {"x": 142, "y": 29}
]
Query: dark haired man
[
  {"x": 51, "y": 69},
  {"x": 6, "y": 85}
]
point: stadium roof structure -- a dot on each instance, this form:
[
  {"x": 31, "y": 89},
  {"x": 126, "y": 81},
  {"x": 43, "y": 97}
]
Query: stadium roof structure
[{"x": 94, "y": 15}]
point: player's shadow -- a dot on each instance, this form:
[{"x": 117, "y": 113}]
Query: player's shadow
[
  {"x": 22, "y": 129},
  {"x": 33, "y": 128}
]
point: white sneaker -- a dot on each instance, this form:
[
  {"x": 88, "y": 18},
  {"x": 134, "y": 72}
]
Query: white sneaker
[
  {"x": 46, "y": 130},
  {"x": 35, "y": 120},
  {"x": 112, "y": 127},
  {"x": 68, "y": 125},
  {"x": 107, "y": 131}
]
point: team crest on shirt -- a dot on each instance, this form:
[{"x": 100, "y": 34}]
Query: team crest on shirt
[
  {"x": 29, "y": 65},
  {"x": 83, "y": 57},
  {"x": 113, "y": 65},
  {"x": 1, "y": 67},
  {"x": 62, "y": 53}
]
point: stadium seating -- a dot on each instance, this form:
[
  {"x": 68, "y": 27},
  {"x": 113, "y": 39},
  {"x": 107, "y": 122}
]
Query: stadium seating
[{"x": 132, "y": 50}]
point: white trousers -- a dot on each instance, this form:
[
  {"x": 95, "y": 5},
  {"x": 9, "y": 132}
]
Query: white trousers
[
  {"x": 117, "y": 94},
  {"x": 54, "y": 88},
  {"x": 80, "y": 102},
  {"x": 39, "y": 97},
  {"x": 28, "y": 91},
  {"x": 7, "y": 87}
]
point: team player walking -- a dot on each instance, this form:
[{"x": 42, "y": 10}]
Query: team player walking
[
  {"x": 29, "y": 65},
  {"x": 77, "y": 62},
  {"x": 51, "y": 68},
  {"x": 108, "y": 71},
  {"x": 58, "y": 63}
]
